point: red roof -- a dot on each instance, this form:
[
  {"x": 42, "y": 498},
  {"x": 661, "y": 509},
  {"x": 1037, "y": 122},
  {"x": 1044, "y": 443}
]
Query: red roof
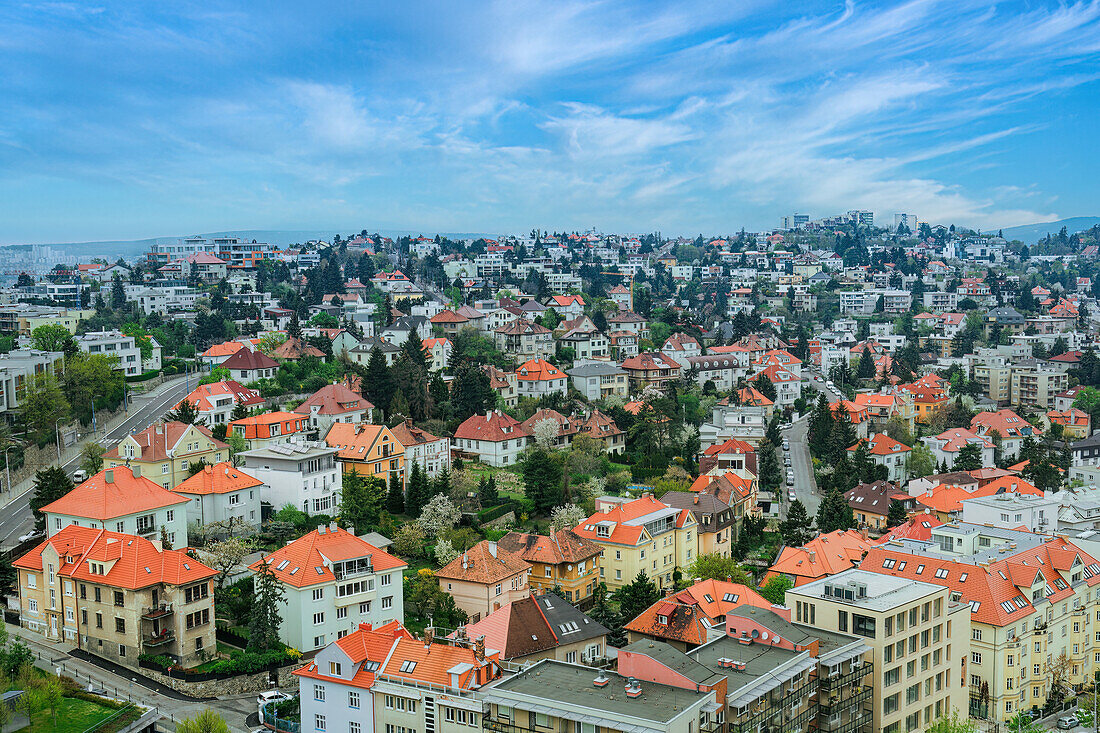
[
  {"x": 494, "y": 426},
  {"x": 334, "y": 399},
  {"x": 485, "y": 563},
  {"x": 129, "y": 561},
  {"x": 916, "y": 528},
  {"x": 881, "y": 444},
  {"x": 615, "y": 518},
  {"x": 157, "y": 440},
  {"x": 538, "y": 370},
  {"x": 202, "y": 396},
  {"x": 221, "y": 478},
  {"x": 248, "y": 359},
  {"x": 113, "y": 492},
  {"x": 308, "y": 560}
]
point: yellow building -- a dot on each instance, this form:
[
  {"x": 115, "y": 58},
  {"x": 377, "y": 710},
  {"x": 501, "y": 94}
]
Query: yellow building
[
  {"x": 370, "y": 450},
  {"x": 562, "y": 560},
  {"x": 167, "y": 451},
  {"x": 641, "y": 536},
  {"x": 917, "y": 639}
]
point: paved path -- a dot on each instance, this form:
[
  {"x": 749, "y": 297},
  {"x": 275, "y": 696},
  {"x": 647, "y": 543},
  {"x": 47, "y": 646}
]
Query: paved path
[{"x": 15, "y": 514}]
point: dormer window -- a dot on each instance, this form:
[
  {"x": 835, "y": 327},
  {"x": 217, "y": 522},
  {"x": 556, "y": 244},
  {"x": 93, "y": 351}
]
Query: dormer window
[{"x": 663, "y": 620}]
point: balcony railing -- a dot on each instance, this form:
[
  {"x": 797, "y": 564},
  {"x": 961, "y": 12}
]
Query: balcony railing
[
  {"x": 503, "y": 726},
  {"x": 858, "y": 721},
  {"x": 164, "y": 637},
  {"x": 840, "y": 705},
  {"x": 147, "y": 530},
  {"x": 856, "y": 674},
  {"x": 164, "y": 609}
]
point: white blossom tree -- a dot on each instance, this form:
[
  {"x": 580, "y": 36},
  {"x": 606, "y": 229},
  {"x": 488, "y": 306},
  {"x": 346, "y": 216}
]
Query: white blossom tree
[
  {"x": 438, "y": 515},
  {"x": 444, "y": 552},
  {"x": 566, "y": 517},
  {"x": 546, "y": 433}
]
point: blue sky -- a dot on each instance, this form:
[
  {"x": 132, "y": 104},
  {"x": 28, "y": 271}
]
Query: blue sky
[{"x": 126, "y": 120}]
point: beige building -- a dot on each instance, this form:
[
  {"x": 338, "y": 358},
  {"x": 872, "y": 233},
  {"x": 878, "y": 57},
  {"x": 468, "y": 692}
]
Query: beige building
[
  {"x": 993, "y": 374},
  {"x": 118, "y": 596},
  {"x": 165, "y": 452},
  {"x": 917, "y": 641},
  {"x": 485, "y": 578},
  {"x": 1035, "y": 385}
]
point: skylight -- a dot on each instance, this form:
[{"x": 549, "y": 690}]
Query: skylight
[
  {"x": 408, "y": 665},
  {"x": 283, "y": 564}
]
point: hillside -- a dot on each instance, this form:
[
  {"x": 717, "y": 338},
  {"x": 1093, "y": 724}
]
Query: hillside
[{"x": 1032, "y": 233}]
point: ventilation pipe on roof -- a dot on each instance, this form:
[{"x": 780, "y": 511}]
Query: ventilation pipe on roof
[
  {"x": 136, "y": 471},
  {"x": 109, "y": 476}
]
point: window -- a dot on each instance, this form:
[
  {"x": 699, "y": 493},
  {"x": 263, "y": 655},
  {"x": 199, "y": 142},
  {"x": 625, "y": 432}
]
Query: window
[
  {"x": 120, "y": 625},
  {"x": 319, "y": 693},
  {"x": 170, "y": 515},
  {"x": 98, "y": 599},
  {"x": 975, "y": 658},
  {"x": 976, "y": 634},
  {"x": 99, "y": 620},
  {"x": 318, "y": 594},
  {"x": 334, "y": 668},
  {"x": 353, "y": 699},
  {"x": 319, "y": 721},
  {"x": 364, "y": 607},
  {"x": 198, "y": 618},
  {"x": 318, "y": 618},
  {"x": 120, "y": 600},
  {"x": 32, "y": 605},
  {"x": 387, "y": 579},
  {"x": 342, "y": 612},
  {"x": 196, "y": 592},
  {"x": 387, "y": 602},
  {"x": 354, "y": 727},
  {"x": 122, "y": 650},
  {"x": 892, "y": 677},
  {"x": 198, "y": 643}
]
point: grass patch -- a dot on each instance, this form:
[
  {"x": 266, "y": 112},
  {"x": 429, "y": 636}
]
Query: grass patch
[{"x": 74, "y": 716}]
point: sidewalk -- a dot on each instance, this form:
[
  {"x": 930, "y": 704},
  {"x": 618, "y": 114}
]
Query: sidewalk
[{"x": 73, "y": 451}]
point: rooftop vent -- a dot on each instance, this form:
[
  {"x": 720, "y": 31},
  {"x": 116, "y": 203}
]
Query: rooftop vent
[
  {"x": 601, "y": 680},
  {"x": 633, "y": 688}
]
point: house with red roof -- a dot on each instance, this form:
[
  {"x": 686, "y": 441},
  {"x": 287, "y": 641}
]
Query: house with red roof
[
  {"x": 1011, "y": 428},
  {"x": 559, "y": 560},
  {"x": 268, "y": 428},
  {"x": 165, "y": 452},
  {"x": 732, "y": 455},
  {"x": 917, "y": 527},
  {"x": 485, "y": 578},
  {"x": 947, "y": 501},
  {"x": 567, "y": 306},
  {"x": 431, "y": 453},
  {"x": 204, "y": 266},
  {"x": 881, "y": 406},
  {"x": 858, "y": 415},
  {"x": 541, "y": 627},
  {"x": 826, "y": 554},
  {"x": 122, "y": 500},
  {"x": 694, "y": 616},
  {"x": 118, "y": 594},
  {"x": 945, "y": 446},
  {"x": 246, "y": 365},
  {"x": 222, "y": 495},
  {"x": 216, "y": 401},
  {"x": 325, "y": 571},
  {"x": 437, "y": 352},
  {"x": 524, "y": 339},
  {"x": 334, "y": 403},
  {"x": 1076, "y": 424},
  {"x": 885, "y": 451},
  {"x": 494, "y": 438},
  {"x": 449, "y": 323},
  {"x": 680, "y": 346},
  {"x": 540, "y": 378},
  {"x": 650, "y": 368}
]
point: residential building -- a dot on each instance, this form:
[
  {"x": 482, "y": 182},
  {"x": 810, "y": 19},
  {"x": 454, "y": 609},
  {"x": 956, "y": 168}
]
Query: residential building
[
  {"x": 303, "y": 474},
  {"x": 1035, "y": 385},
  {"x": 733, "y": 455},
  {"x": 653, "y": 368},
  {"x": 246, "y": 365},
  {"x": 216, "y": 401},
  {"x": 525, "y": 340},
  {"x": 503, "y": 383},
  {"x": 599, "y": 380},
  {"x": 118, "y": 596},
  {"x": 493, "y": 438},
  {"x": 538, "y": 627},
  {"x": 333, "y": 582},
  {"x": 871, "y": 503},
  {"x": 643, "y": 535},
  {"x": 603, "y": 428},
  {"x": 222, "y": 495},
  {"x": 437, "y": 353},
  {"x": 885, "y": 451},
  {"x": 680, "y": 346},
  {"x": 630, "y": 322},
  {"x": 827, "y": 554},
  {"x": 540, "y": 378},
  {"x": 18, "y": 369},
  {"x": 1011, "y": 427},
  {"x": 1076, "y": 424},
  {"x": 484, "y": 578},
  {"x": 334, "y": 403},
  {"x": 1034, "y": 512},
  {"x": 165, "y": 452},
  {"x": 562, "y": 561},
  {"x": 945, "y": 446},
  {"x": 718, "y": 526},
  {"x": 369, "y": 450},
  {"x": 269, "y": 428},
  {"x": 946, "y": 501},
  {"x": 113, "y": 344},
  {"x": 916, "y": 639},
  {"x": 692, "y": 617}
]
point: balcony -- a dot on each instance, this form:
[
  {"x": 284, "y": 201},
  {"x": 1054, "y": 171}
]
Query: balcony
[
  {"x": 856, "y": 674},
  {"x": 503, "y": 726},
  {"x": 150, "y": 614},
  {"x": 166, "y": 636},
  {"x": 147, "y": 530},
  {"x": 838, "y": 705},
  {"x": 857, "y": 722}
]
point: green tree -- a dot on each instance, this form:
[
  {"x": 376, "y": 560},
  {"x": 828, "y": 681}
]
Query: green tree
[
  {"x": 603, "y": 613},
  {"x": 775, "y": 590},
  {"x": 797, "y": 529},
  {"x": 91, "y": 457},
  {"x": 636, "y": 596},
  {"x": 770, "y": 475},
  {"x": 43, "y": 405},
  {"x": 969, "y": 458},
  {"x": 712, "y": 565},
  {"x": 542, "y": 477},
  {"x": 263, "y": 627},
  {"x": 419, "y": 490},
  {"x": 896, "y": 514},
  {"x": 53, "y": 337},
  {"x": 378, "y": 382},
  {"x": 921, "y": 462},
  {"x": 240, "y": 412},
  {"x": 186, "y": 413},
  {"x": 764, "y": 386},
  {"x": 471, "y": 392},
  {"x": 50, "y": 484},
  {"x": 206, "y": 721},
  {"x": 834, "y": 513},
  {"x": 361, "y": 499},
  {"x": 952, "y": 724},
  {"x": 395, "y": 496}
]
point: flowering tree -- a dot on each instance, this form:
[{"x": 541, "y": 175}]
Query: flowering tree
[
  {"x": 566, "y": 516},
  {"x": 546, "y": 433},
  {"x": 438, "y": 515},
  {"x": 444, "y": 552}
]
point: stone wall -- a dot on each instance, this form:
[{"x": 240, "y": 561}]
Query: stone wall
[{"x": 232, "y": 686}]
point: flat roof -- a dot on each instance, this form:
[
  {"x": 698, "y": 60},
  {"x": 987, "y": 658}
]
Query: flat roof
[{"x": 884, "y": 592}]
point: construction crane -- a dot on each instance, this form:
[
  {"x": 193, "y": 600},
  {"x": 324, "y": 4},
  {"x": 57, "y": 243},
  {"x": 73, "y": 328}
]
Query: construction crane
[{"x": 629, "y": 275}]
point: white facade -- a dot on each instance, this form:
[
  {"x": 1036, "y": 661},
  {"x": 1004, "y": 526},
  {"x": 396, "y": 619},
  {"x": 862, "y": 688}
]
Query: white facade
[
  {"x": 1037, "y": 513},
  {"x": 147, "y": 524},
  {"x": 241, "y": 507},
  {"x": 494, "y": 452},
  {"x": 305, "y": 475},
  {"x": 433, "y": 457},
  {"x": 315, "y": 615},
  {"x": 113, "y": 344}
]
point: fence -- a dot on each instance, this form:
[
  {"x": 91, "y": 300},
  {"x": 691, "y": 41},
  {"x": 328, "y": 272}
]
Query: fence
[{"x": 268, "y": 717}]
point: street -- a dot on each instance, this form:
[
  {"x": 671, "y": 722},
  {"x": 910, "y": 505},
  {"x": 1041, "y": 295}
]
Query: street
[
  {"x": 16, "y": 519},
  {"x": 805, "y": 488}
]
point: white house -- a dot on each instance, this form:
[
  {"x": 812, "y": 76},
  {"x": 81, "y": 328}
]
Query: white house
[
  {"x": 116, "y": 344},
  {"x": 304, "y": 474},
  {"x": 433, "y": 454},
  {"x": 495, "y": 438},
  {"x": 222, "y": 494},
  {"x": 1010, "y": 509},
  {"x": 539, "y": 378},
  {"x": 945, "y": 446},
  {"x": 215, "y": 401},
  {"x": 334, "y": 581}
]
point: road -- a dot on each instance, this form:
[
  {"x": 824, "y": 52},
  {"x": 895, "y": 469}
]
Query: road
[
  {"x": 16, "y": 518},
  {"x": 805, "y": 487}
]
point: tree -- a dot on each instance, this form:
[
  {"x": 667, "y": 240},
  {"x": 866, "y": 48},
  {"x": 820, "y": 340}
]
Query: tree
[
  {"x": 206, "y": 721},
  {"x": 636, "y": 596},
  {"x": 240, "y": 412},
  {"x": 764, "y": 386},
  {"x": 419, "y": 491},
  {"x": 567, "y": 517},
  {"x": 542, "y": 477},
  {"x": 224, "y": 555},
  {"x": 263, "y": 627},
  {"x": 921, "y": 462},
  {"x": 118, "y": 293},
  {"x": 952, "y": 724},
  {"x": 395, "y": 496},
  {"x": 969, "y": 458},
  {"x": 603, "y": 613},
  {"x": 361, "y": 499},
  {"x": 50, "y": 484},
  {"x": 714, "y": 566},
  {"x": 91, "y": 457},
  {"x": 896, "y": 514},
  {"x": 834, "y": 513},
  {"x": 770, "y": 474},
  {"x": 425, "y": 599},
  {"x": 471, "y": 392},
  {"x": 797, "y": 529},
  {"x": 186, "y": 413},
  {"x": 53, "y": 337},
  {"x": 43, "y": 405},
  {"x": 487, "y": 494},
  {"x": 409, "y": 540},
  {"x": 775, "y": 590},
  {"x": 378, "y": 382},
  {"x": 438, "y": 515},
  {"x": 546, "y": 433}
]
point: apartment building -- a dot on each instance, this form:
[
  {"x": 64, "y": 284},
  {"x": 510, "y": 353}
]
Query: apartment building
[
  {"x": 503, "y": 383},
  {"x": 384, "y": 679},
  {"x": 562, "y": 560},
  {"x": 268, "y": 429},
  {"x": 651, "y": 368},
  {"x": 431, "y": 453},
  {"x": 122, "y": 500},
  {"x": 1038, "y": 513},
  {"x": 222, "y": 495},
  {"x": 484, "y": 578},
  {"x": 166, "y": 451},
  {"x": 598, "y": 380},
  {"x": 1035, "y": 385},
  {"x": 524, "y": 339},
  {"x": 113, "y": 344},
  {"x": 369, "y": 450},
  {"x": 992, "y": 370},
  {"x": 1030, "y": 598},
  {"x": 640, "y": 536},
  {"x": 118, "y": 596},
  {"x": 236, "y": 251},
  {"x": 916, "y": 638},
  {"x": 333, "y": 581},
  {"x": 18, "y": 368},
  {"x": 939, "y": 302},
  {"x": 305, "y": 475},
  {"x": 23, "y": 318}
]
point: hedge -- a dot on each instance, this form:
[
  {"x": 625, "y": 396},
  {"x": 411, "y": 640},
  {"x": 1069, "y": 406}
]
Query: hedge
[
  {"x": 143, "y": 377},
  {"x": 239, "y": 663}
]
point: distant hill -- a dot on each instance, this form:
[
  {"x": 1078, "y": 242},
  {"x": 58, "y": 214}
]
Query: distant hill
[{"x": 1032, "y": 233}]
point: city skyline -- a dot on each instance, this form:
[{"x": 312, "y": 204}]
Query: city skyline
[{"x": 130, "y": 122}]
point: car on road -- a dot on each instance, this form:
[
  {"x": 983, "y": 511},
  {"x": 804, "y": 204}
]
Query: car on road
[
  {"x": 791, "y": 495},
  {"x": 790, "y": 481},
  {"x": 830, "y": 384},
  {"x": 1067, "y": 722},
  {"x": 80, "y": 476},
  {"x": 30, "y": 536},
  {"x": 271, "y": 696}
]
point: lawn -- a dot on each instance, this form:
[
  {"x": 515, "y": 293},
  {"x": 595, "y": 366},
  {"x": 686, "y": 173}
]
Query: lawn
[{"x": 75, "y": 716}]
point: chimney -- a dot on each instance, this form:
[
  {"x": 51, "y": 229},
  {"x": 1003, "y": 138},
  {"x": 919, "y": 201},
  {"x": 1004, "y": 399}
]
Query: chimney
[
  {"x": 633, "y": 688},
  {"x": 695, "y": 499},
  {"x": 863, "y": 532},
  {"x": 332, "y": 527},
  {"x": 813, "y": 555},
  {"x": 601, "y": 680},
  {"x": 479, "y": 648},
  {"x": 136, "y": 471},
  {"x": 109, "y": 476},
  {"x": 160, "y": 429},
  {"x": 350, "y": 530},
  {"x": 429, "y": 635},
  {"x": 320, "y": 529}
]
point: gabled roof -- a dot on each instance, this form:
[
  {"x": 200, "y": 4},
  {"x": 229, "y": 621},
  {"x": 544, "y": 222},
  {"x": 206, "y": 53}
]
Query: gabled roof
[
  {"x": 221, "y": 478},
  {"x": 202, "y": 396},
  {"x": 494, "y": 426},
  {"x": 308, "y": 560},
  {"x": 248, "y": 359},
  {"x": 409, "y": 435},
  {"x": 534, "y": 624},
  {"x": 826, "y": 554},
  {"x": 156, "y": 441},
  {"x": 334, "y": 399},
  {"x": 1006, "y": 422},
  {"x": 881, "y": 444},
  {"x": 955, "y": 438},
  {"x": 356, "y": 440},
  {"x": 538, "y": 370},
  {"x": 560, "y": 546},
  {"x": 916, "y": 528},
  {"x": 129, "y": 561},
  {"x": 625, "y": 522},
  {"x": 111, "y": 493},
  {"x": 294, "y": 348},
  {"x": 448, "y": 316},
  {"x": 733, "y": 446},
  {"x": 485, "y": 563},
  {"x": 522, "y": 327},
  {"x": 650, "y": 360}
]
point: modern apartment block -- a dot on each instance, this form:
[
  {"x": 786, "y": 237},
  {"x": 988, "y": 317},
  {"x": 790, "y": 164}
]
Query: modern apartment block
[
  {"x": 303, "y": 474},
  {"x": 113, "y": 344},
  {"x": 18, "y": 368},
  {"x": 1035, "y": 385},
  {"x": 916, "y": 637}
]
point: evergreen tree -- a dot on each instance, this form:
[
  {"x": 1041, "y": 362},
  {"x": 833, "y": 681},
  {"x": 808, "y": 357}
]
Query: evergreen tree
[
  {"x": 395, "y": 496},
  {"x": 186, "y": 413},
  {"x": 842, "y": 436},
  {"x": 361, "y": 499},
  {"x": 896, "y": 514},
  {"x": 240, "y": 412},
  {"x": 602, "y": 613},
  {"x": 50, "y": 484},
  {"x": 866, "y": 367},
  {"x": 471, "y": 393},
  {"x": 969, "y": 458},
  {"x": 419, "y": 491},
  {"x": 378, "y": 383},
  {"x": 862, "y": 466},
  {"x": 770, "y": 475},
  {"x": 413, "y": 351},
  {"x": 542, "y": 478},
  {"x": 797, "y": 529},
  {"x": 834, "y": 513},
  {"x": 294, "y": 328},
  {"x": 764, "y": 386},
  {"x": 487, "y": 491},
  {"x": 442, "y": 483},
  {"x": 636, "y": 596},
  {"x": 263, "y": 626},
  {"x": 821, "y": 426}
]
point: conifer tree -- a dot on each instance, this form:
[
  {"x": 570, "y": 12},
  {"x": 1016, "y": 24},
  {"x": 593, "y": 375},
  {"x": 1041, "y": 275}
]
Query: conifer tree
[
  {"x": 395, "y": 496},
  {"x": 834, "y": 512},
  {"x": 263, "y": 626}
]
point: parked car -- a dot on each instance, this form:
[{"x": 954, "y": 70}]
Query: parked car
[
  {"x": 791, "y": 495},
  {"x": 1067, "y": 722},
  {"x": 271, "y": 696},
  {"x": 80, "y": 476}
]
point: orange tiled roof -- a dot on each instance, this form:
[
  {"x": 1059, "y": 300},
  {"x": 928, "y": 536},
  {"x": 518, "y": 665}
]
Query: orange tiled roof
[
  {"x": 615, "y": 517},
  {"x": 538, "y": 370},
  {"x": 308, "y": 560},
  {"x": 494, "y": 426},
  {"x": 484, "y": 563},
  {"x": 944, "y": 498},
  {"x": 221, "y": 478},
  {"x": 561, "y": 546},
  {"x": 334, "y": 399},
  {"x": 157, "y": 440},
  {"x": 113, "y": 492},
  {"x": 881, "y": 444},
  {"x": 201, "y": 397},
  {"x": 826, "y": 554}
]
